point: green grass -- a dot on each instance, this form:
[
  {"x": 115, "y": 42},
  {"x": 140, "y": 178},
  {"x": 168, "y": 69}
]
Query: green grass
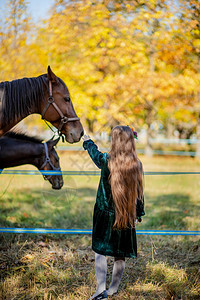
[
  {"x": 62, "y": 267},
  {"x": 171, "y": 201}
]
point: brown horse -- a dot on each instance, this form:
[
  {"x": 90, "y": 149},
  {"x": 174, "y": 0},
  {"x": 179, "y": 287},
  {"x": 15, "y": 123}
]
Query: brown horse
[
  {"x": 46, "y": 95},
  {"x": 19, "y": 149}
]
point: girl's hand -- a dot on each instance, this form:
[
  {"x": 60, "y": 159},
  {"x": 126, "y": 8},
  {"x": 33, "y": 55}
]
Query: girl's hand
[
  {"x": 136, "y": 221},
  {"x": 86, "y": 137}
]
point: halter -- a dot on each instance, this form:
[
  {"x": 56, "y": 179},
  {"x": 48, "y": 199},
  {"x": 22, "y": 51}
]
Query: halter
[
  {"x": 48, "y": 161},
  {"x": 63, "y": 119}
]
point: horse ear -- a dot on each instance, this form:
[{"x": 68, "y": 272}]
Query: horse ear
[
  {"x": 52, "y": 143},
  {"x": 51, "y": 76}
]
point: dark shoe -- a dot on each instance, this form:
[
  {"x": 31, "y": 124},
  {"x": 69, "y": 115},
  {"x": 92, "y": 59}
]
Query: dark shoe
[{"x": 101, "y": 296}]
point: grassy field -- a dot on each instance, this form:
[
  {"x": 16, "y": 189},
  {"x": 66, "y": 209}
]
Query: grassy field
[{"x": 62, "y": 267}]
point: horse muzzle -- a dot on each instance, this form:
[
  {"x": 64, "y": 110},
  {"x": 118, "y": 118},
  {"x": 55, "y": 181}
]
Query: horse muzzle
[
  {"x": 73, "y": 135},
  {"x": 57, "y": 184}
]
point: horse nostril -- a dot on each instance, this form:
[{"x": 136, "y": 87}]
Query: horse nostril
[{"x": 82, "y": 133}]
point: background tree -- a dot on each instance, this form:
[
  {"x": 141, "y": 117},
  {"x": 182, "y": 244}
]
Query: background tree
[{"x": 130, "y": 62}]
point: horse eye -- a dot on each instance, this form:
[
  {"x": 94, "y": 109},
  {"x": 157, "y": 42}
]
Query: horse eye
[{"x": 67, "y": 99}]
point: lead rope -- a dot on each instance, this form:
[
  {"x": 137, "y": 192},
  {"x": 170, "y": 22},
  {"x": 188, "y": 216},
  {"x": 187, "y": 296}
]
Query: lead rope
[
  {"x": 55, "y": 131},
  {"x": 50, "y": 127}
]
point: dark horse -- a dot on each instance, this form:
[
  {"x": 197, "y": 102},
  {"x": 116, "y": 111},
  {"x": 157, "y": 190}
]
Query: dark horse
[
  {"x": 20, "y": 149},
  {"x": 46, "y": 95}
]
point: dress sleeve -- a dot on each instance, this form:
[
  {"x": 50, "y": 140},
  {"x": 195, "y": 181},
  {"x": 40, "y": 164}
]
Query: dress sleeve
[
  {"x": 97, "y": 156},
  {"x": 140, "y": 209}
]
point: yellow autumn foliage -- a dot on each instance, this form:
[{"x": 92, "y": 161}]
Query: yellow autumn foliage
[{"x": 123, "y": 61}]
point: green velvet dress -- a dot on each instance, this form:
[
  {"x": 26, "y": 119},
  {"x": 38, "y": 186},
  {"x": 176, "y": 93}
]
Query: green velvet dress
[{"x": 105, "y": 239}]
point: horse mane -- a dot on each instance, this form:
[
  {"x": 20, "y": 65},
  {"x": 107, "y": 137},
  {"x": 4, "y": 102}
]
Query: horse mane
[
  {"x": 23, "y": 136},
  {"x": 21, "y": 96}
]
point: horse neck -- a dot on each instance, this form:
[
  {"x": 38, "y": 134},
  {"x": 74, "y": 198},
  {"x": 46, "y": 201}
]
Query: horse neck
[
  {"x": 17, "y": 153},
  {"x": 24, "y": 100},
  {"x": 37, "y": 153}
]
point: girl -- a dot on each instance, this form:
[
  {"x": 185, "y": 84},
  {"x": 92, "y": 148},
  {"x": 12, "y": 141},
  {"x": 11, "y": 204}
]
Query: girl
[{"x": 119, "y": 205}]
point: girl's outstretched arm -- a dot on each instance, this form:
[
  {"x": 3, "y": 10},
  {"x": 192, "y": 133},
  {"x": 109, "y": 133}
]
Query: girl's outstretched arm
[{"x": 93, "y": 151}]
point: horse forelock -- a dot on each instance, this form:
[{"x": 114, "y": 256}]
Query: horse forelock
[{"x": 21, "y": 96}]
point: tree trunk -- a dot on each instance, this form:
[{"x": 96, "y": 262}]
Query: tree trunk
[
  {"x": 198, "y": 119},
  {"x": 90, "y": 124},
  {"x": 198, "y": 137},
  {"x": 169, "y": 130},
  {"x": 149, "y": 118},
  {"x": 149, "y": 148}
]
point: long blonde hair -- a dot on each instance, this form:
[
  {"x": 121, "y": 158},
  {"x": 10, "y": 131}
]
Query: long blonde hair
[{"x": 126, "y": 176}]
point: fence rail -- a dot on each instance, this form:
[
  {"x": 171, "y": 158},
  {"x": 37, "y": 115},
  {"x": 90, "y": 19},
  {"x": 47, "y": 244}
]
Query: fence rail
[
  {"x": 89, "y": 231},
  {"x": 82, "y": 173}
]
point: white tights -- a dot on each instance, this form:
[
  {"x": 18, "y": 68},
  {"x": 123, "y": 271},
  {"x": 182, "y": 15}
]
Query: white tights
[
  {"x": 118, "y": 269},
  {"x": 101, "y": 272}
]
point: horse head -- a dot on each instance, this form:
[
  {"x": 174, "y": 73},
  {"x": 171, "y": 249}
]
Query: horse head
[{"x": 58, "y": 109}]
